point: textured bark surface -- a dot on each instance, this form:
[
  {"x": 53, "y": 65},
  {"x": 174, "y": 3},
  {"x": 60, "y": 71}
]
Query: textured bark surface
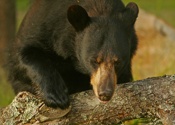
[{"x": 150, "y": 98}]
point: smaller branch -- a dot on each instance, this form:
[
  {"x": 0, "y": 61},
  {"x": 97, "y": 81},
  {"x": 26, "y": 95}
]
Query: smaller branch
[{"x": 150, "y": 98}]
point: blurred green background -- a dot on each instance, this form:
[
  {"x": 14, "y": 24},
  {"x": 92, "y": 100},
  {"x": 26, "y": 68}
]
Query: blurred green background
[{"x": 164, "y": 9}]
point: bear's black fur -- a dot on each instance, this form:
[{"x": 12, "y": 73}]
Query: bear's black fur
[{"x": 64, "y": 45}]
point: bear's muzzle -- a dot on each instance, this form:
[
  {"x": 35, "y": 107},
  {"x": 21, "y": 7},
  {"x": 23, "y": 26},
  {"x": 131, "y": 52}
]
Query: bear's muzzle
[{"x": 104, "y": 80}]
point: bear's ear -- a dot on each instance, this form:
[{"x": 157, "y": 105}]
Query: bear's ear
[
  {"x": 130, "y": 14},
  {"x": 78, "y": 17}
]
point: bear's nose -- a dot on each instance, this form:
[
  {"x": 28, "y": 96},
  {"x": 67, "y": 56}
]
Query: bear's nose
[{"x": 105, "y": 96}]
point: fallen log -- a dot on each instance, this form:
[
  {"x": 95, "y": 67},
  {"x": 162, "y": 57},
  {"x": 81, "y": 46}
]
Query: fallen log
[{"x": 149, "y": 98}]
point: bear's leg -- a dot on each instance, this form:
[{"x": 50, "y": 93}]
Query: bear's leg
[{"x": 43, "y": 69}]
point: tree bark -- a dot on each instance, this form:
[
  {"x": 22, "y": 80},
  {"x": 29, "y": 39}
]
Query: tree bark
[
  {"x": 149, "y": 98},
  {"x": 7, "y": 25}
]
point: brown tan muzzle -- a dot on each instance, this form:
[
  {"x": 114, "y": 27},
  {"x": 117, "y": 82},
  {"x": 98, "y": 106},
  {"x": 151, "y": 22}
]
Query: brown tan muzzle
[{"x": 104, "y": 81}]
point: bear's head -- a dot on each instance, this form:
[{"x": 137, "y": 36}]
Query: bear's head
[{"x": 103, "y": 45}]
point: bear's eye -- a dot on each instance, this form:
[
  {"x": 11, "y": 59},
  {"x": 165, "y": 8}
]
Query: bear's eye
[
  {"x": 117, "y": 63},
  {"x": 98, "y": 60},
  {"x": 95, "y": 62}
]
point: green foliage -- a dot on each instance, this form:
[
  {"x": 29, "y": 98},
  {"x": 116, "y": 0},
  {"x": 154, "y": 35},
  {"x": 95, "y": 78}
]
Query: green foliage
[
  {"x": 164, "y": 9},
  {"x": 140, "y": 121},
  {"x": 6, "y": 93},
  {"x": 21, "y": 9},
  {"x": 22, "y": 5}
]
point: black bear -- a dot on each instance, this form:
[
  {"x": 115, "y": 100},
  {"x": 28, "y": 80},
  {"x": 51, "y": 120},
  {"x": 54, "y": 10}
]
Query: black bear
[{"x": 65, "y": 46}]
